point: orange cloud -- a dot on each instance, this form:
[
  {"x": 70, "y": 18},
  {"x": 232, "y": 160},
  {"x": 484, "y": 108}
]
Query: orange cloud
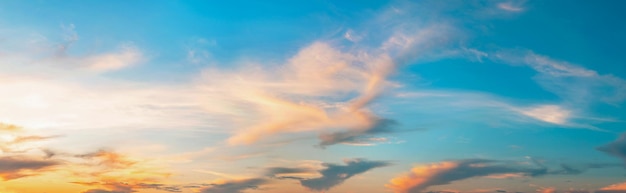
[
  {"x": 546, "y": 190},
  {"x": 9, "y": 127},
  {"x": 422, "y": 177},
  {"x": 308, "y": 93},
  {"x": 419, "y": 176},
  {"x": 620, "y": 186}
]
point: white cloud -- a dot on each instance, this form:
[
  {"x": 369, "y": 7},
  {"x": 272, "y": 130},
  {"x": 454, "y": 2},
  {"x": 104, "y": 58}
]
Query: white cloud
[
  {"x": 512, "y": 6},
  {"x": 556, "y": 68},
  {"x": 573, "y": 83},
  {"x": 548, "y": 113},
  {"x": 126, "y": 56}
]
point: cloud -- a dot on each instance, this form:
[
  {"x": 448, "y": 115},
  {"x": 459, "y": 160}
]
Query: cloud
[
  {"x": 9, "y": 127},
  {"x": 422, "y": 177},
  {"x": 548, "y": 113},
  {"x": 15, "y": 167},
  {"x": 546, "y": 190},
  {"x": 326, "y": 177},
  {"x": 123, "y": 187},
  {"x": 334, "y": 175},
  {"x": 106, "y": 191},
  {"x": 359, "y": 136},
  {"x": 320, "y": 88},
  {"x": 613, "y": 188},
  {"x": 573, "y": 83},
  {"x": 512, "y": 6},
  {"x": 287, "y": 173},
  {"x": 616, "y": 148},
  {"x": 109, "y": 158},
  {"x": 234, "y": 186},
  {"x": 126, "y": 56},
  {"x": 289, "y": 101}
]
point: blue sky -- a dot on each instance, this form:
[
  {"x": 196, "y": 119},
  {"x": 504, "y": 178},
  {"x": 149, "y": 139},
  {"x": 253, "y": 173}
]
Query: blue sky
[{"x": 318, "y": 96}]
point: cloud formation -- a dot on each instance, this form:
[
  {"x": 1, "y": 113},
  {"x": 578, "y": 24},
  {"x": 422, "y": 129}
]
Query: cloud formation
[
  {"x": 616, "y": 148},
  {"x": 422, "y": 177},
  {"x": 19, "y": 167},
  {"x": 573, "y": 83},
  {"x": 359, "y": 137},
  {"x": 334, "y": 174},
  {"x": 9, "y": 127},
  {"x": 326, "y": 177},
  {"x": 234, "y": 186},
  {"x": 321, "y": 88}
]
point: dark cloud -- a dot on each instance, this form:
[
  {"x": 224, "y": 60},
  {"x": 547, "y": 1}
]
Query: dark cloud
[
  {"x": 335, "y": 174},
  {"x": 358, "y": 136},
  {"x": 236, "y": 186},
  {"x": 274, "y": 172},
  {"x": 13, "y": 168},
  {"x": 442, "y": 173},
  {"x": 567, "y": 170},
  {"x": 616, "y": 148}
]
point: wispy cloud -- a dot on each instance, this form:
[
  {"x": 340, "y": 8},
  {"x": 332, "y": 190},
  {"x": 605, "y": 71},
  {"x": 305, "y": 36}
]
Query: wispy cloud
[
  {"x": 126, "y": 56},
  {"x": 359, "y": 136},
  {"x": 613, "y": 188},
  {"x": 573, "y": 83},
  {"x": 512, "y": 5},
  {"x": 616, "y": 148},
  {"x": 548, "y": 113},
  {"x": 422, "y": 177},
  {"x": 9, "y": 127},
  {"x": 234, "y": 186},
  {"x": 19, "y": 167},
  {"x": 319, "y": 88},
  {"x": 331, "y": 175}
]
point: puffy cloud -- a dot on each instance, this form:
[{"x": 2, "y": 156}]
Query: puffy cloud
[
  {"x": 303, "y": 94},
  {"x": 422, "y": 177},
  {"x": 323, "y": 88},
  {"x": 234, "y": 186}
]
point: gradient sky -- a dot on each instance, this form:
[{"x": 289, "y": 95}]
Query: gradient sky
[{"x": 312, "y": 96}]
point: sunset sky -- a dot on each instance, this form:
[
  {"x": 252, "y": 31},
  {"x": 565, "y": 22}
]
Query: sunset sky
[{"x": 287, "y": 96}]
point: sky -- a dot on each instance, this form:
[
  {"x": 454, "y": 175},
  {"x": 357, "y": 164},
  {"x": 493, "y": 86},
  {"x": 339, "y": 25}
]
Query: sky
[{"x": 312, "y": 96}]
